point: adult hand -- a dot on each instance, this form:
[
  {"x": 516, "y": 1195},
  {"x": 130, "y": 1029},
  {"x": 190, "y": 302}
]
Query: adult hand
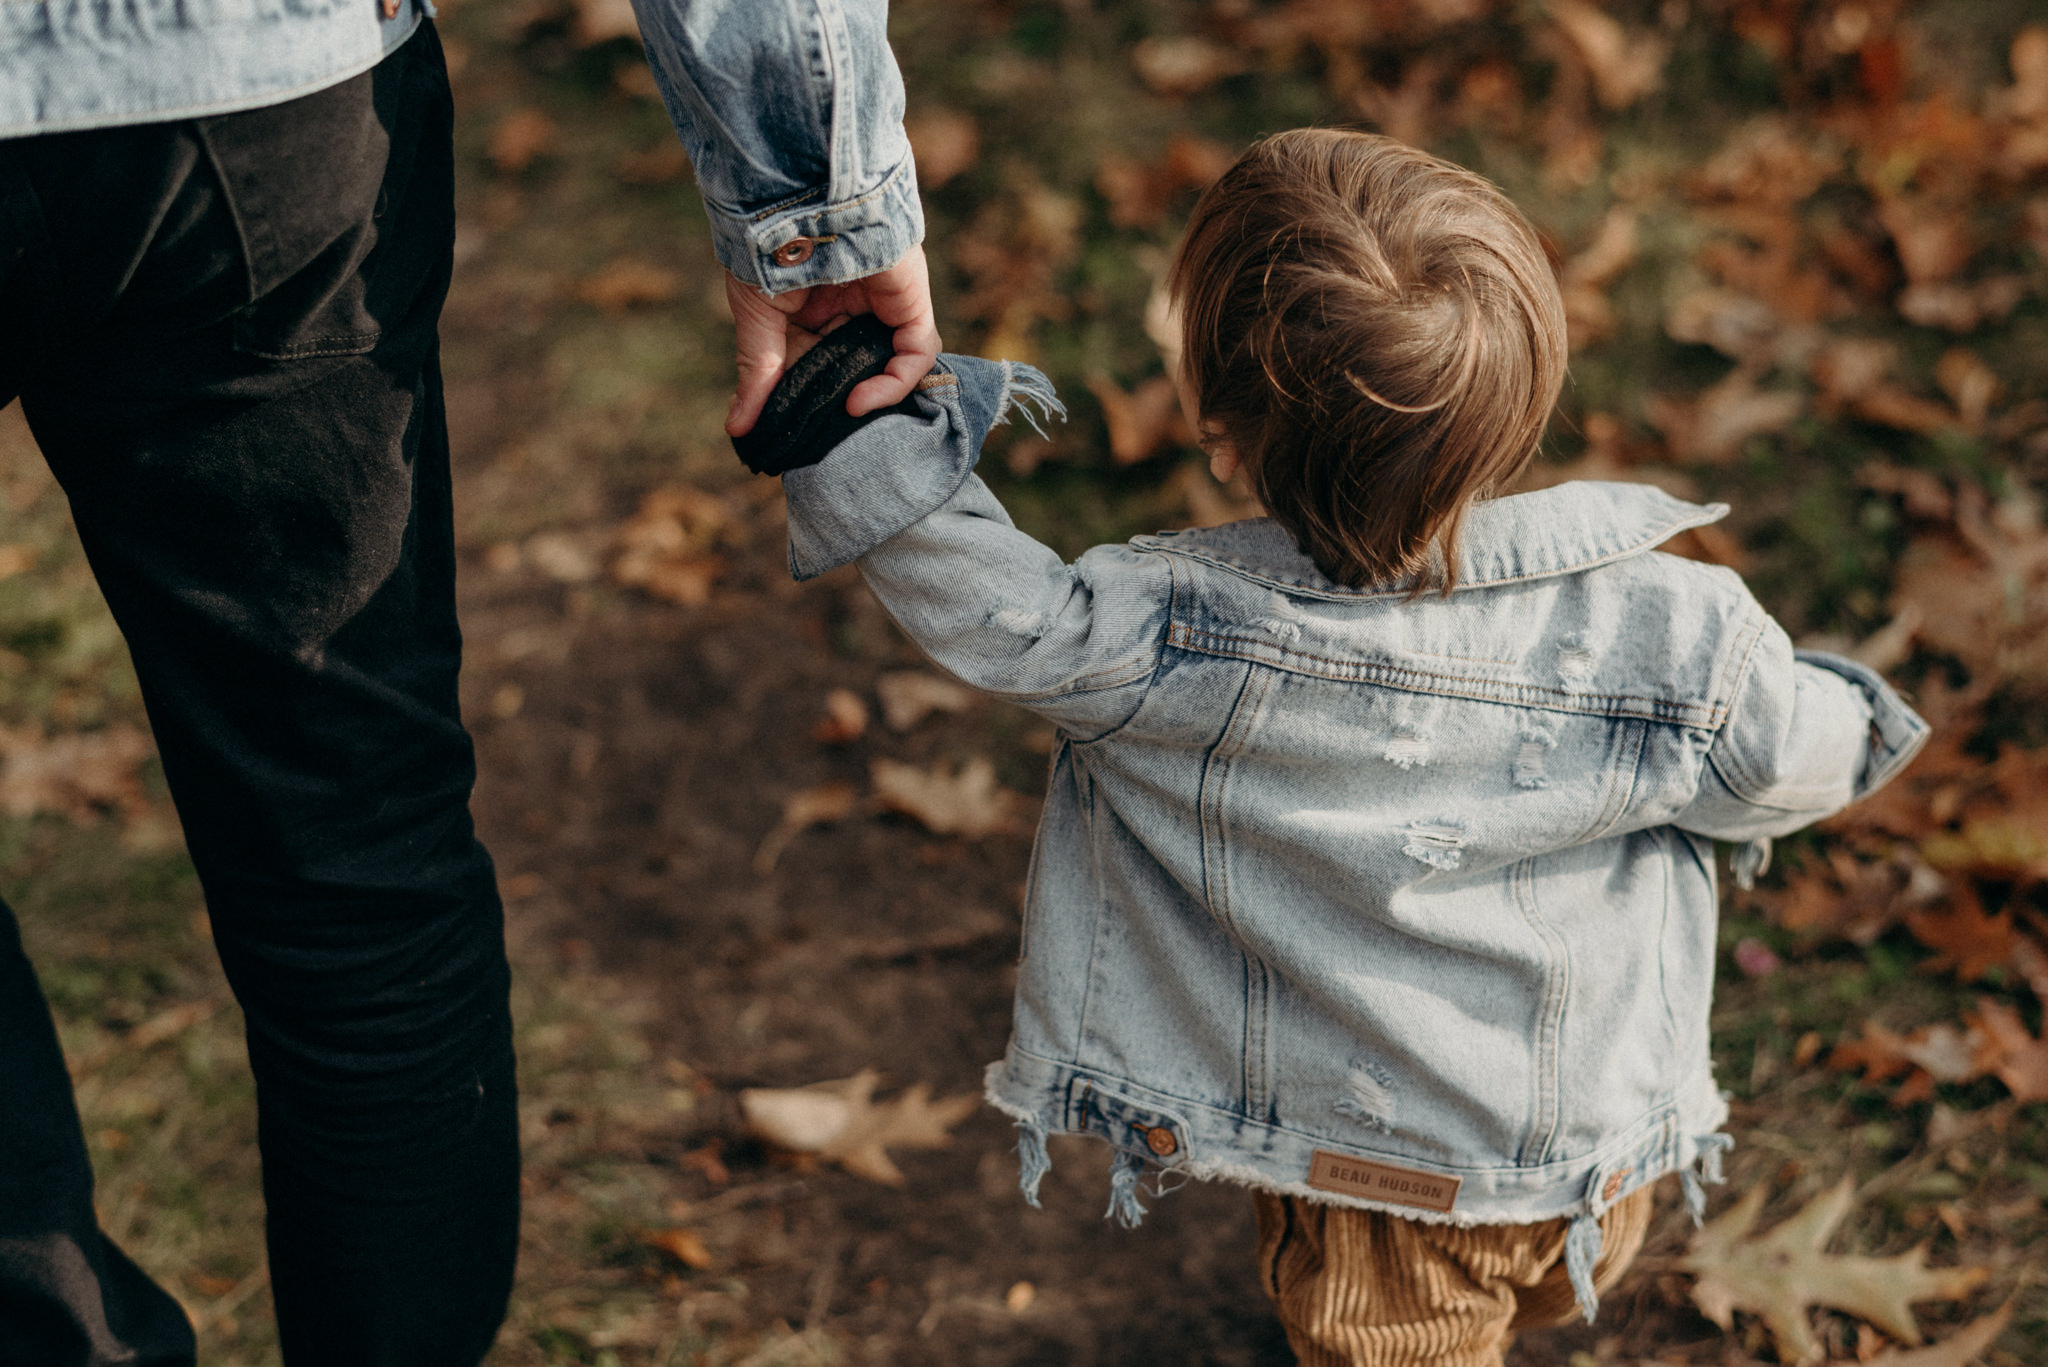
[{"x": 773, "y": 330}]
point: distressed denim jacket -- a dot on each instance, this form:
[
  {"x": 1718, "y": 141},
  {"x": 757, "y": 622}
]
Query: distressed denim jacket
[
  {"x": 1390, "y": 901},
  {"x": 792, "y": 110}
]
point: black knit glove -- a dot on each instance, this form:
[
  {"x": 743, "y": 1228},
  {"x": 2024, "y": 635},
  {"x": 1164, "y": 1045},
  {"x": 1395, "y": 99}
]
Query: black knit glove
[{"x": 805, "y": 416}]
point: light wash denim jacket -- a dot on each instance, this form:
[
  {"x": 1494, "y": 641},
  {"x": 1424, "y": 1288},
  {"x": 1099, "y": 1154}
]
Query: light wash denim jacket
[
  {"x": 792, "y": 110},
  {"x": 1398, "y": 902}
]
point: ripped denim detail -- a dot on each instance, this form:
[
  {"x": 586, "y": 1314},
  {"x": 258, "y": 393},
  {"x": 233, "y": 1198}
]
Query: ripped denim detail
[
  {"x": 1033, "y": 1162},
  {"x": 1752, "y": 859},
  {"x": 1702, "y": 1172},
  {"x": 1124, "y": 1207},
  {"x": 1026, "y": 389}
]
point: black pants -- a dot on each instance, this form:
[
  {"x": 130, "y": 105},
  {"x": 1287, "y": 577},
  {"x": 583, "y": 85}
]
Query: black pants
[{"x": 223, "y": 335}]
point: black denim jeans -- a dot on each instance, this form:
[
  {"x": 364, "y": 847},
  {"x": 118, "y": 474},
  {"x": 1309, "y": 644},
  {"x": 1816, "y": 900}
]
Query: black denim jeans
[{"x": 223, "y": 334}]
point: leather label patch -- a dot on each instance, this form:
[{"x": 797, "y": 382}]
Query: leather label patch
[{"x": 1381, "y": 1182}]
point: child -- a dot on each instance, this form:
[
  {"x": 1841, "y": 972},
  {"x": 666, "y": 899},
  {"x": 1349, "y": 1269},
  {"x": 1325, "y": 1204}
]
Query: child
[{"x": 1376, "y": 871}]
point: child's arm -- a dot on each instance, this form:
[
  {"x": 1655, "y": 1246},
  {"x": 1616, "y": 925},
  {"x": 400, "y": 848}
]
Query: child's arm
[
  {"x": 1807, "y": 734},
  {"x": 1078, "y": 643}
]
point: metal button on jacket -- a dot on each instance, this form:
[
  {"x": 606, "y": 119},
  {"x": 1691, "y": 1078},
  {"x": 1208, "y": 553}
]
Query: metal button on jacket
[{"x": 795, "y": 252}]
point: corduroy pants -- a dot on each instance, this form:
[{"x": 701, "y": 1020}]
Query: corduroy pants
[{"x": 1361, "y": 1288}]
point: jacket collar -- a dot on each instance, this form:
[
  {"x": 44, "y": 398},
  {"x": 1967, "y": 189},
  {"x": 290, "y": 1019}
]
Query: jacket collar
[{"x": 1554, "y": 531}]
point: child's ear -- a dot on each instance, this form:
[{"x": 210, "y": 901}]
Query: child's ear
[{"x": 1223, "y": 462}]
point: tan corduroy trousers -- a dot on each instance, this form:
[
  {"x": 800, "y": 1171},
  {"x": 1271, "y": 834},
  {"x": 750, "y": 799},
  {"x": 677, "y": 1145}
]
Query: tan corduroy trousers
[{"x": 1360, "y": 1288}]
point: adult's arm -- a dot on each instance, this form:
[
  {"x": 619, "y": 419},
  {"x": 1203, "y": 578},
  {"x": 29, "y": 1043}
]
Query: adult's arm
[{"x": 792, "y": 113}]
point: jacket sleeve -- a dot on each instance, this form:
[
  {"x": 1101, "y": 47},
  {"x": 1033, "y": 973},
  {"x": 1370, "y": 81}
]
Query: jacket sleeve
[
  {"x": 1077, "y": 643},
  {"x": 792, "y": 113},
  {"x": 1808, "y": 733}
]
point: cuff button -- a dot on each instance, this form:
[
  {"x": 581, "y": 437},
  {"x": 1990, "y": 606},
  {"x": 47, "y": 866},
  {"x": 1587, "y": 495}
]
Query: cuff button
[{"x": 795, "y": 252}]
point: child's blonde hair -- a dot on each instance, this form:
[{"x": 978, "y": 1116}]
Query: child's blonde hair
[{"x": 1379, "y": 335}]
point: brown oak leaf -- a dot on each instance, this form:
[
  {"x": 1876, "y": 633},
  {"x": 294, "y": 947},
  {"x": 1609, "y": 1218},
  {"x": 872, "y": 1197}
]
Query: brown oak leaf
[
  {"x": 1783, "y": 1273},
  {"x": 2010, "y": 1052}
]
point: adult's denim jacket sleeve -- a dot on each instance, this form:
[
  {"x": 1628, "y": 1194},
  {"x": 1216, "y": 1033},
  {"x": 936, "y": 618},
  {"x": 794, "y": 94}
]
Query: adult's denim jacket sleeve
[
  {"x": 1808, "y": 733},
  {"x": 792, "y": 113}
]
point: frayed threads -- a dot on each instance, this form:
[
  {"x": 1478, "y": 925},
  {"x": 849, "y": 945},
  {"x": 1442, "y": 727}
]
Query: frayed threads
[
  {"x": 1581, "y": 1251},
  {"x": 1705, "y": 1171},
  {"x": 1751, "y": 861},
  {"x": 1026, "y": 389},
  {"x": 1033, "y": 1162},
  {"x": 1124, "y": 1207}
]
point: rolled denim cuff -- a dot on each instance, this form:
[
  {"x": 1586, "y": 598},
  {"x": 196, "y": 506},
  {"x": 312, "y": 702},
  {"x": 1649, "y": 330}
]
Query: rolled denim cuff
[
  {"x": 900, "y": 468},
  {"x": 1896, "y": 731},
  {"x": 804, "y": 241}
]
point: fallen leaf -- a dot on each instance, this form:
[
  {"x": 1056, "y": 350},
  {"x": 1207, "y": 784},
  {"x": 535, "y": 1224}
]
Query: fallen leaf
[
  {"x": 2010, "y": 1053},
  {"x": 658, "y": 165},
  {"x": 1588, "y": 315},
  {"x": 601, "y": 21},
  {"x": 1184, "y": 64},
  {"x": 845, "y": 719},
  {"x": 1891, "y": 645},
  {"x": 1922, "y": 492},
  {"x": 565, "y": 557},
  {"x": 908, "y": 696},
  {"x": 686, "y": 1246},
  {"x": 1138, "y": 193},
  {"x": 1014, "y": 256},
  {"x": 634, "y": 77},
  {"x": 73, "y": 774},
  {"x": 1142, "y": 420},
  {"x": 840, "y": 1121},
  {"x": 1962, "y": 935},
  {"x": 519, "y": 139},
  {"x": 1712, "y": 425},
  {"x": 1625, "y": 66},
  {"x": 1734, "y": 323},
  {"x": 1971, "y": 385},
  {"x": 663, "y": 549},
  {"x": 160, "y": 1028},
  {"x": 1781, "y": 1274},
  {"x": 945, "y": 142},
  {"x": 629, "y": 283},
  {"x": 1930, "y": 1055},
  {"x": 1984, "y": 599},
  {"x": 826, "y": 803},
  {"x": 1961, "y": 307},
  {"x": 1959, "y": 1349},
  {"x": 966, "y": 803},
  {"x": 1934, "y": 241}
]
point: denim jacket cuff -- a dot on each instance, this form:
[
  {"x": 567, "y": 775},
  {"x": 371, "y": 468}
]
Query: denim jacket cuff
[
  {"x": 1896, "y": 731},
  {"x": 899, "y": 469},
  {"x": 804, "y": 241}
]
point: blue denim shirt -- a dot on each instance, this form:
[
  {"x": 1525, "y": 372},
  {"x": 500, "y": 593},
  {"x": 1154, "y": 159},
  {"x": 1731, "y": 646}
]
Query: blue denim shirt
[
  {"x": 1391, "y": 901},
  {"x": 792, "y": 110}
]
